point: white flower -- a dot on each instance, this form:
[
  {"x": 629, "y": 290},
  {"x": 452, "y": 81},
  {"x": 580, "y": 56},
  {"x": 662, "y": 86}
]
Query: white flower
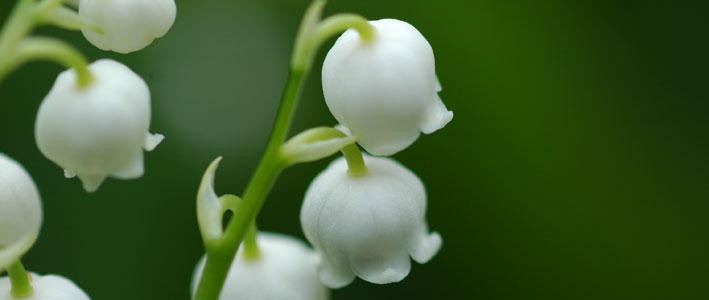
[
  {"x": 127, "y": 25},
  {"x": 20, "y": 211},
  {"x": 47, "y": 287},
  {"x": 368, "y": 225},
  {"x": 384, "y": 90},
  {"x": 99, "y": 130},
  {"x": 285, "y": 269}
]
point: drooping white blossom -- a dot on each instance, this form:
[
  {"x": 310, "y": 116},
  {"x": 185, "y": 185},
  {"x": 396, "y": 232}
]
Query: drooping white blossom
[
  {"x": 285, "y": 269},
  {"x": 47, "y": 287},
  {"x": 99, "y": 130},
  {"x": 20, "y": 211},
  {"x": 127, "y": 25},
  {"x": 367, "y": 226},
  {"x": 385, "y": 90}
]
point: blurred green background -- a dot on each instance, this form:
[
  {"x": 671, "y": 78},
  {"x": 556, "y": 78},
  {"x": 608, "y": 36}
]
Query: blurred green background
[{"x": 575, "y": 167}]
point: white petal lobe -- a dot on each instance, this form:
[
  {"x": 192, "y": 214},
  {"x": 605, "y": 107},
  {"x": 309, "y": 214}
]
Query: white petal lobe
[{"x": 152, "y": 140}]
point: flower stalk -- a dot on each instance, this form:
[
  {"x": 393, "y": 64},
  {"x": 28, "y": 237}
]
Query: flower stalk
[
  {"x": 311, "y": 35},
  {"x": 20, "y": 280},
  {"x": 16, "y": 48}
]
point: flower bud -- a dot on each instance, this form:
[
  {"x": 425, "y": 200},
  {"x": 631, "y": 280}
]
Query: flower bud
[
  {"x": 47, "y": 287},
  {"x": 20, "y": 211},
  {"x": 367, "y": 225},
  {"x": 127, "y": 25},
  {"x": 385, "y": 89},
  {"x": 99, "y": 130},
  {"x": 285, "y": 269}
]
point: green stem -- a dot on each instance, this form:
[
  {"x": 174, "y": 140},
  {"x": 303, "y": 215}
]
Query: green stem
[
  {"x": 355, "y": 161},
  {"x": 47, "y": 6},
  {"x": 213, "y": 275},
  {"x": 306, "y": 48},
  {"x": 310, "y": 37},
  {"x": 219, "y": 259},
  {"x": 20, "y": 280},
  {"x": 57, "y": 51},
  {"x": 16, "y": 49},
  {"x": 18, "y": 25},
  {"x": 251, "y": 250},
  {"x": 341, "y": 22},
  {"x": 67, "y": 18}
]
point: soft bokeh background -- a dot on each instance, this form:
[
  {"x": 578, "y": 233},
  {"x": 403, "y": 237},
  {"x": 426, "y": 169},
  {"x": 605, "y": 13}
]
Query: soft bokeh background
[{"x": 575, "y": 167}]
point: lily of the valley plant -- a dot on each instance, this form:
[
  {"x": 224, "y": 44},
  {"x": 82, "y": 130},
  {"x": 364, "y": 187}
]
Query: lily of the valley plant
[{"x": 364, "y": 215}]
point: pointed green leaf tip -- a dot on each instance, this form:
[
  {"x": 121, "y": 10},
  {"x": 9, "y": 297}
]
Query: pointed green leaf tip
[{"x": 209, "y": 207}]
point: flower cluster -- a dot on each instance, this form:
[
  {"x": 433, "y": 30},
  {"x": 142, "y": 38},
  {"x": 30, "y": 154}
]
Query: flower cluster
[
  {"x": 384, "y": 92},
  {"x": 365, "y": 215},
  {"x": 101, "y": 129},
  {"x": 93, "y": 122}
]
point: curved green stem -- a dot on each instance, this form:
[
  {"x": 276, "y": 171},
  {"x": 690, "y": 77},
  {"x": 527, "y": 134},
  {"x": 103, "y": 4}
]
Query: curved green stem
[
  {"x": 55, "y": 50},
  {"x": 220, "y": 258},
  {"x": 67, "y": 18},
  {"x": 20, "y": 280},
  {"x": 18, "y": 25},
  {"x": 317, "y": 34},
  {"x": 251, "y": 250},
  {"x": 16, "y": 49},
  {"x": 335, "y": 24},
  {"x": 45, "y": 6},
  {"x": 310, "y": 37}
]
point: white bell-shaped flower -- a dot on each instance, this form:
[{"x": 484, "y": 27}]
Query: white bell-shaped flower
[
  {"x": 47, "y": 287},
  {"x": 385, "y": 89},
  {"x": 285, "y": 269},
  {"x": 127, "y": 25},
  {"x": 367, "y": 225},
  {"x": 99, "y": 130},
  {"x": 20, "y": 211}
]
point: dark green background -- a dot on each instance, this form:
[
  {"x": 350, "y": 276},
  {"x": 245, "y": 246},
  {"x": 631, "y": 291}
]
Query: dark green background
[{"x": 575, "y": 167}]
